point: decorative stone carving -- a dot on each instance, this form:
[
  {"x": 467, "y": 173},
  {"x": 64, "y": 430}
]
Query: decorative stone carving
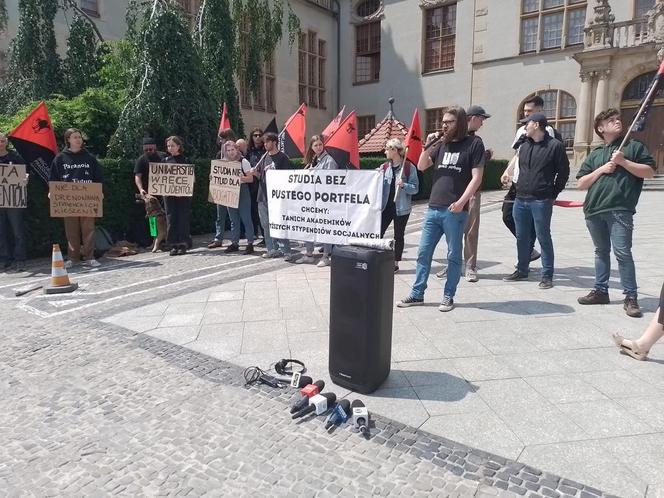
[
  {"x": 656, "y": 27},
  {"x": 603, "y": 74},
  {"x": 429, "y": 4},
  {"x": 599, "y": 32},
  {"x": 586, "y": 76},
  {"x": 374, "y": 16}
]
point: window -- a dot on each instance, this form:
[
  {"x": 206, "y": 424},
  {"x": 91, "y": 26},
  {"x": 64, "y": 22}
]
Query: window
[
  {"x": 641, "y": 7},
  {"x": 312, "y": 56},
  {"x": 551, "y": 24},
  {"x": 368, "y": 7},
  {"x": 190, "y": 9},
  {"x": 434, "y": 120},
  {"x": 90, "y": 7},
  {"x": 560, "y": 111},
  {"x": 367, "y": 52},
  {"x": 440, "y": 38},
  {"x": 264, "y": 97},
  {"x": 639, "y": 86},
  {"x": 365, "y": 124}
]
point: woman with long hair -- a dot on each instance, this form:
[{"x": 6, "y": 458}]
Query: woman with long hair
[
  {"x": 243, "y": 211},
  {"x": 400, "y": 184},
  {"x": 178, "y": 209},
  {"x": 255, "y": 150},
  {"x": 76, "y": 165}
]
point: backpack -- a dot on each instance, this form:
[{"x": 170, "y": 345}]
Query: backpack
[{"x": 103, "y": 241}]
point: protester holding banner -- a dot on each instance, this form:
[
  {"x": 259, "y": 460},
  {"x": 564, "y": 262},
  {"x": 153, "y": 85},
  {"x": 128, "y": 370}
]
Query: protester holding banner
[
  {"x": 255, "y": 151},
  {"x": 458, "y": 162},
  {"x": 178, "y": 209},
  {"x": 224, "y": 136},
  {"x": 274, "y": 159},
  {"x": 316, "y": 158},
  {"x": 76, "y": 165},
  {"x": 243, "y": 211},
  {"x": 12, "y": 220}
]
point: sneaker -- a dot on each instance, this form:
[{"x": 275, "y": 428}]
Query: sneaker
[
  {"x": 183, "y": 249},
  {"x": 594, "y": 297},
  {"x": 7, "y": 265},
  {"x": 442, "y": 273},
  {"x": 232, "y": 248},
  {"x": 292, "y": 257},
  {"x": 214, "y": 244},
  {"x": 471, "y": 276},
  {"x": 248, "y": 250},
  {"x": 546, "y": 283},
  {"x": 631, "y": 307},
  {"x": 174, "y": 251},
  {"x": 447, "y": 304},
  {"x": 261, "y": 243},
  {"x": 410, "y": 301},
  {"x": 267, "y": 255},
  {"x": 306, "y": 259},
  {"x": 515, "y": 277},
  {"x": 396, "y": 268},
  {"x": 535, "y": 255},
  {"x": 324, "y": 261},
  {"x": 69, "y": 264}
]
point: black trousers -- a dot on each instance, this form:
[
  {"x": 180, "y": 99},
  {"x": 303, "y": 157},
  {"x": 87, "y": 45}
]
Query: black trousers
[
  {"x": 399, "y": 229},
  {"x": 12, "y": 234},
  {"x": 253, "y": 190},
  {"x": 661, "y": 306},
  {"x": 178, "y": 218},
  {"x": 508, "y": 218}
]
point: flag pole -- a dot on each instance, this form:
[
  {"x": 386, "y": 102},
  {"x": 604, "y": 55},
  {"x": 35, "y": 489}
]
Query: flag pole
[{"x": 403, "y": 165}]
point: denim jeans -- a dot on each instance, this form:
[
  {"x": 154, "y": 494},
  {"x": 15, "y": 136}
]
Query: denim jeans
[
  {"x": 527, "y": 211},
  {"x": 439, "y": 222},
  {"x": 12, "y": 235},
  {"x": 220, "y": 223},
  {"x": 243, "y": 212},
  {"x": 613, "y": 228},
  {"x": 270, "y": 243}
]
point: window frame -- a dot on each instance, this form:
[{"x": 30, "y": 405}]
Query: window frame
[
  {"x": 437, "y": 121},
  {"x": 265, "y": 98},
  {"x": 540, "y": 13},
  {"x": 94, "y": 13},
  {"x": 634, "y": 9},
  {"x": 369, "y": 53},
  {"x": 441, "y": 38},
  {"x": 312, "y": 70},
  {"x": 361, "y": 124}
]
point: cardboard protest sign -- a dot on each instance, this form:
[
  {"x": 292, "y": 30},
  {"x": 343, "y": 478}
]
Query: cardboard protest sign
[
  {"x": 170, "y": 179},
  {"x": 76, "y": 199},
  {"x": 13, "y": 186},
  {"x": 225, "y": 182},
  {"x": 325, "y": 206}
]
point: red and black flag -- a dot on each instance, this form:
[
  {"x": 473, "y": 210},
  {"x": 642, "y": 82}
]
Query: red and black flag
[
  {"x": 343, "y": 146},
  {"x": 292, "y": 139},
  {"x": 225, "y": 122},
  {"x": 272, "y": 127},
  {"x": 34, "y": 140},
  {"x": 334, "y": 124},
  {"x": 640, "y": 119},
  {"x": 414, "y": 139}
]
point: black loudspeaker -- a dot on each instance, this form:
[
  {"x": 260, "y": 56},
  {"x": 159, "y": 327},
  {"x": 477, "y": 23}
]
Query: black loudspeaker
[{"x": 361, "y": 300}]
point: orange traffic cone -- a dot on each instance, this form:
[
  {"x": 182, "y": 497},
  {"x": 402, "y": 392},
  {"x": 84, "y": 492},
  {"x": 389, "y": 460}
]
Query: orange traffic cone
[{"x": 60, "y": 283}]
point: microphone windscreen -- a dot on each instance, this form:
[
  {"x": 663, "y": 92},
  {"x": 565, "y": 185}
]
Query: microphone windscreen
[
  {"x": 331, "y": 398},
  {"x": 345, "y": 405},
  {"x": 357, "y": 404},
  {"x": 305, "y": 380}
]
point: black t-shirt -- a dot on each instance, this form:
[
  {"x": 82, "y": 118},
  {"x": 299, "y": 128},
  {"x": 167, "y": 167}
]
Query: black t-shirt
[
  {"x": 280, "y": 161},
  {"x": 141, "y": 167},
  {"x": 11, "y": 157},
  {"x": 453, "y": 163}
]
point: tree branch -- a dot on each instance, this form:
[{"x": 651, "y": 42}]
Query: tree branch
[{"x": 72, "y": 4}]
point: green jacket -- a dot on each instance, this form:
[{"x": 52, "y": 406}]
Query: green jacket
[{"x": 619, "y": 191}]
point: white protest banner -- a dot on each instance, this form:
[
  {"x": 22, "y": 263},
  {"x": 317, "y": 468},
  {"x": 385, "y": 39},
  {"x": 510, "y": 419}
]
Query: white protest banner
[
  {"x": 171, "y": 179},
  {"x": 13, "y": 186},
  {"x": 325, "y": 206},
  {"x": 225, "y": 182},
  {"x": 76, "y": 199}
]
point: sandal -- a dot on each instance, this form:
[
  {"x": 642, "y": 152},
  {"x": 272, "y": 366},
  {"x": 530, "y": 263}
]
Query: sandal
[{"x": 629, "y": 347}]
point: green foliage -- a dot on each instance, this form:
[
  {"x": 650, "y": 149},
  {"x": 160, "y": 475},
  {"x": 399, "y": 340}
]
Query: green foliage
[
  {"x": 169, "y": 94},
  {"x": 34, "y": 65},
  {"x": 215, "y": 37},
  {"x": 3, "y": 15},
  {"x": 84, "y": 57},
  {"x": 114, "y": 75}
]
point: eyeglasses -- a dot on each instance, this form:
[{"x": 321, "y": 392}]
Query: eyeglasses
[
  {"x": 257, "y": 135},
  {"x": 449, "y": 122}
]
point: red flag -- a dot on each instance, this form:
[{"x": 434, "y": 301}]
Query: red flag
[
  {"x": 292, "y": 139},
  {"x": 414, "y": 138},
  {"x": 225, "y": 123},
  {"x": 343, "y": 146},
  {"x": 34, "y": 140},
  {"x": 568, "y": 204},
  {"x": 334, "y": 124}
]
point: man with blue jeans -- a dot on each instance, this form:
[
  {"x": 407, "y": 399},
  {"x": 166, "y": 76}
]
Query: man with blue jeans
[
  {"x": 543, "y": 173},
  {"x": 614, "y": 179},
  {"x": 458, "y": 163}
]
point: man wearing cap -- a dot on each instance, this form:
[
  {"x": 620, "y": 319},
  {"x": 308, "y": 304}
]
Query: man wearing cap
[
  {"x": 543, "y": 173},
  {"x": 141, "y": 234},
  {"x": 476, "y": 116}
]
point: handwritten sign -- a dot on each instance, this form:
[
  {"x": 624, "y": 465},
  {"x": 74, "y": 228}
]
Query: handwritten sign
[
  {"x": 13, "y": 186},
  {"x": 75, "y": 199},
  {"x": 225, "y": 183},
  {"x": 176, "y": 180}
]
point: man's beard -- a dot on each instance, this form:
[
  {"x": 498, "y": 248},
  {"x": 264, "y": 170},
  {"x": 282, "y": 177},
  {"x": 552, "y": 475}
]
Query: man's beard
[{"x": 448, "y": 135}]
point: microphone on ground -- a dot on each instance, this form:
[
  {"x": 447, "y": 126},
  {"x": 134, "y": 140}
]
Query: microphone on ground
[
  {"x": 302, "y": 400},
  {"x": 360, "y": 416},
  {"x": 339, "y": 415},
  {"x": 318, "y": 404}
]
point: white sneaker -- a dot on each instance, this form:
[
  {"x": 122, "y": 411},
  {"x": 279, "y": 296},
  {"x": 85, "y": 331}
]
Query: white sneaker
[
  {"x": 269, "y": 254},
  {"x": 293, "y": 257},
  {"x": 69, "y": 264},
  {"x": 447, "y": 304},
  {"x": 471, "y": 276},
  {"x": 324, "y": 261},
  {"x": 306, "y": 259},
  {"x": 92, "y": 263}
]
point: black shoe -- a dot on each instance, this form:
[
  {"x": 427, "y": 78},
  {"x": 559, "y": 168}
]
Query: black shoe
[
  {"x": 631, "y": 307},
  {"x": 183, "y": 249},
  {"x": 7, "y": 264},
  {"x": 546, "y": 283},
  {"x": 410, "y": 301},
  {"x": 396, "y": 268},
  {"x": 232, "y": 248},
  {"x": 249, "y": 249},
  {"x": 515, "y": 277},
  {"x": 175, "y": 250},
  {"x": 594, "y": 297}
]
